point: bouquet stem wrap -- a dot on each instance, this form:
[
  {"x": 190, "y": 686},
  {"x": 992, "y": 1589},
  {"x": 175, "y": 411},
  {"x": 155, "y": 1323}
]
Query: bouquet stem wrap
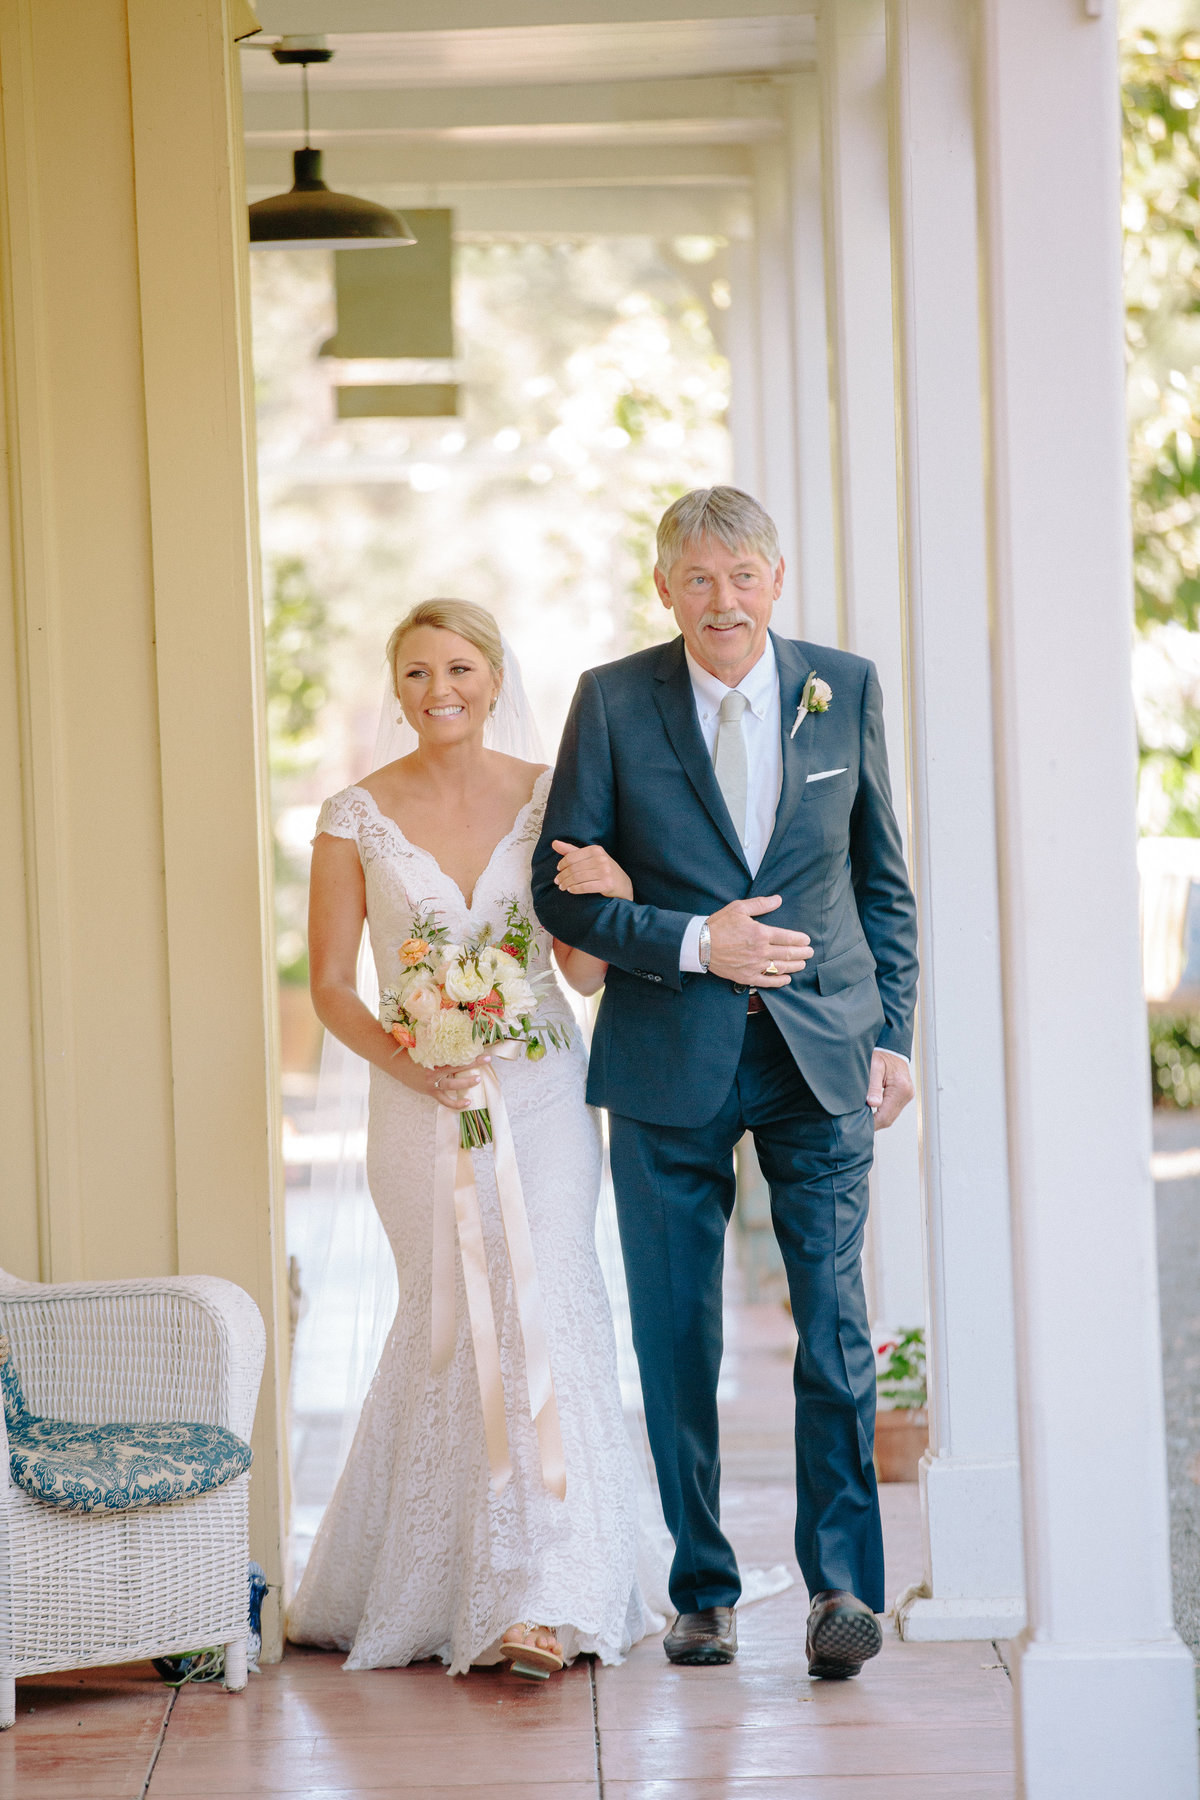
[{"x": 456, "y": 1204}]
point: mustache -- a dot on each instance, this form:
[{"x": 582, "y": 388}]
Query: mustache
[{"x": 725, "y": 619}]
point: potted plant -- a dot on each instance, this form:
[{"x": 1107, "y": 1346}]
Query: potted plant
[{"x": 902, "y": 1419}]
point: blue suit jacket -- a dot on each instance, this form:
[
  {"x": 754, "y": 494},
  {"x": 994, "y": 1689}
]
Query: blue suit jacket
[{"x": 634, "y": 775}]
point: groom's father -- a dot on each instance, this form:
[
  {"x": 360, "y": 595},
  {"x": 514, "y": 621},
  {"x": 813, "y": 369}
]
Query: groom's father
[{"x": 762, "y": 978}]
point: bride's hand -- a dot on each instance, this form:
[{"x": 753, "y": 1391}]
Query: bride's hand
[
  {"x": 452, "y": 1085},
  {"x": 589, "y": 869}
]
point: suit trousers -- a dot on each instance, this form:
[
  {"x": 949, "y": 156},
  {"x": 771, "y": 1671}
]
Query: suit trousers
[{"x": 675, "y": 1192}]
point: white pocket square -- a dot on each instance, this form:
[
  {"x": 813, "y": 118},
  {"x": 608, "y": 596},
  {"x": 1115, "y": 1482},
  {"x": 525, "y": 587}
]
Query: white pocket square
[{"x": 824, "y": 774}]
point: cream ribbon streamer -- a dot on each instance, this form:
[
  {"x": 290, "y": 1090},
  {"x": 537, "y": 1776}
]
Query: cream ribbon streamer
[{"x": 456, "y": 1204}]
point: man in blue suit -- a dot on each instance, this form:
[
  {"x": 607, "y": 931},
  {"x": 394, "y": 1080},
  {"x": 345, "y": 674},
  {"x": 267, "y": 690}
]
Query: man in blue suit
[{"x": 762, "y": 978}]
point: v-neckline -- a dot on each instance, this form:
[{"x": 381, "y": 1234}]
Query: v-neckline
[{"x": 420, "y": 850}]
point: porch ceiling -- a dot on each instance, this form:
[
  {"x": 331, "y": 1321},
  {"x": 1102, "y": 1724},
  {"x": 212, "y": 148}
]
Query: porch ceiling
[
  {"x": 638, "y": 50},
  {"x": 536, "y": 116}
]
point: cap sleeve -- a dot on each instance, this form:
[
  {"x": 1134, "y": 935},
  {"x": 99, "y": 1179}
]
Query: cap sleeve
[
  {"x": 337, "y": 818},
  {"x": 534, "y": 812}
]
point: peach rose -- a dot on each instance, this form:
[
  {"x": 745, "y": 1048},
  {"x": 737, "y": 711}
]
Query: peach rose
[
  {"x": 412, "y": 951},
  {"x": 423, "y": 1001},
  {"x": 404, "y": 1037}
]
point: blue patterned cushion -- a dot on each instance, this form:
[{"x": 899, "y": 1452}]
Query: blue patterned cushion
[{"x": 89, "y": 1468}]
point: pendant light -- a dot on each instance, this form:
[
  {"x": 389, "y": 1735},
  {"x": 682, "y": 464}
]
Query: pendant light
[{"x": 311, "y": 217}]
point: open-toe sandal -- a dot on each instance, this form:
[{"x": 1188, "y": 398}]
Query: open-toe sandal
[{"x": 531, "y": 1660}]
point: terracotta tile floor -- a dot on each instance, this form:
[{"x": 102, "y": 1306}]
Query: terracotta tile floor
[{"x": 924, "y": 1722}]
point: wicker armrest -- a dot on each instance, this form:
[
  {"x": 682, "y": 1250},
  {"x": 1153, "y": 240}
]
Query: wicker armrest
[{"x": 169, "y": 1347}]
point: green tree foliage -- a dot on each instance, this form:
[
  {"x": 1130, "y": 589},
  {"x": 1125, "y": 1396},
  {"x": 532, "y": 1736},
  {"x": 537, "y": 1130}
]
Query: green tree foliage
[
  {"x": 297, "y": 636},
  {"x": 1161, "y": 100},
  {"x": 1175, "y": 1059}
]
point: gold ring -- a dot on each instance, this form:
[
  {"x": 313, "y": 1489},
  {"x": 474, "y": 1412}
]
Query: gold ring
[{"x": 770, "y": 969}]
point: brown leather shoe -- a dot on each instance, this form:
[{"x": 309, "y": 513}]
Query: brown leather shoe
[
  {"x": 703, "y": 1637},
  {"x": 843, "y": 1634}
]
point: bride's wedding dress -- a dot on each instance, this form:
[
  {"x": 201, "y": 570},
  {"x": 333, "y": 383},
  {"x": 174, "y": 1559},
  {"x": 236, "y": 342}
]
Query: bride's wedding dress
[{"x": 417, "y": 1556}]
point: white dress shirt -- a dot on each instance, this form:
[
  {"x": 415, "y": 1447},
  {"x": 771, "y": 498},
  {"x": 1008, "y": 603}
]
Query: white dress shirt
[
  {"x": 764, "y": 763},
  {"x": 764, "y": 769}
]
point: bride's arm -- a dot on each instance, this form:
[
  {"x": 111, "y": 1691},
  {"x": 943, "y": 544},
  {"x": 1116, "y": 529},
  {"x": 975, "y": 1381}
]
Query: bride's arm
[
  {"x": 582, "y": 972},
  {"x": 337, "y": 907},
  {"x": 587, "y": 869}
]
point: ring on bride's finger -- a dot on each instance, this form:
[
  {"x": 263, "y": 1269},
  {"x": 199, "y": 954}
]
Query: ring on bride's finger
[{"x": 770, "y": 969}]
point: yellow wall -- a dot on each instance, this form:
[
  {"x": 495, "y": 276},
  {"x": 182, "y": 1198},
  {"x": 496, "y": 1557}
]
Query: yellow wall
[{"x": 137, "y": 1128}]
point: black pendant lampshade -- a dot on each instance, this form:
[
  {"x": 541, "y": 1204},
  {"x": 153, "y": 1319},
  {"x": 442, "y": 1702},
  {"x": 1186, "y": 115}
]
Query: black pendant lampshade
[{"x": 312, "y": 216}]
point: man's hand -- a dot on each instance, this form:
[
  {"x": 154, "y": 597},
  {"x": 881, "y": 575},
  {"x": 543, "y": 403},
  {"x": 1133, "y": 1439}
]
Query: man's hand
[
  {"x": 890, "y": 1089},
  {"x": 742, "y": 948}
]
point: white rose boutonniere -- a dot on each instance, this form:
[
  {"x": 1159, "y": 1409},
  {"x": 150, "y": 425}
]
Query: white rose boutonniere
[{"x": 815, "y": 699}]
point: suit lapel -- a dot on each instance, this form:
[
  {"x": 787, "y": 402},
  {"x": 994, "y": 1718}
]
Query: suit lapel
[
  {"x": 677, "y": 705},
  {"x": 795, "y": 667}
]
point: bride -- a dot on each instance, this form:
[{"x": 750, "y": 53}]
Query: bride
[{"x": 420, "y": 1553}]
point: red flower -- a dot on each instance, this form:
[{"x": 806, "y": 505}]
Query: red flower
[
  {"x": 884, "y": 1348},
  {"x": 492, "y": 1004}
]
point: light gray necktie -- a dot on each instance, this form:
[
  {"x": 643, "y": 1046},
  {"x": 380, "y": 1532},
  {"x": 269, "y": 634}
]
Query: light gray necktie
[{"x": 729, "y": 759}]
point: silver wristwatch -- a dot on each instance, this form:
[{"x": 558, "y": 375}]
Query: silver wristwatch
[{"x": 704, "y": 946}]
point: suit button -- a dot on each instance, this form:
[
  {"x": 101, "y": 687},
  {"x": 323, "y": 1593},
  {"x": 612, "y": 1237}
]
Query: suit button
[{"x": 738, "y": 989}]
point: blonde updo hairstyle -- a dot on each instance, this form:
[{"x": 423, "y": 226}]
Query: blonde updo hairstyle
[{"x": 464, "y": 619}]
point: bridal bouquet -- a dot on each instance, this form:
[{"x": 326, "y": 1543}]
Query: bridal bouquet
[{"x": 453, "y": 1001}]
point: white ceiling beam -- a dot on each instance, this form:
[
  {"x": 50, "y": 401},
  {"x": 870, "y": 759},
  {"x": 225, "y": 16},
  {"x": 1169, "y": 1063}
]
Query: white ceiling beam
[
  {"x": 552, "y": 214},
  {"x": 302, "y": 16},
  {"x": 649, "y": 134},
  {"x": 353, "y": 166},
  {"x": 751, "y": 100}
]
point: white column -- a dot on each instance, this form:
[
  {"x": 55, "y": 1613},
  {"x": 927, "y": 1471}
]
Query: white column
[
  {"x": 853, "y": 69},
  {"x": 776, "y": 363},
  {"x": 1105, "y": 1689},
  {"x": 813, "y": 580},
  {"x": 974, "y": 1579},
  {"x": 745, "y": 375}
]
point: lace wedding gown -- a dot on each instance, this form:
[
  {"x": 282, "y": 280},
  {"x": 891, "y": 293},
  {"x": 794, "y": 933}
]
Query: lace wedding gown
[{"x": 416, "y": 1555}]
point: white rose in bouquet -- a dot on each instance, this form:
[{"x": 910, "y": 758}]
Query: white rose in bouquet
[
  {"x": 465, "y": 983},
  {"x": 493, "y": 962},
  {"x": 515, "y": 991}
]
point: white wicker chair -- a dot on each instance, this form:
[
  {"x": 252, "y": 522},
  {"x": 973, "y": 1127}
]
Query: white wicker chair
[{"x": 84, "y": 1588}]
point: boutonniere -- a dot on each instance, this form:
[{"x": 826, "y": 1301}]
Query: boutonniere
[{"x": 814, "y": 699}]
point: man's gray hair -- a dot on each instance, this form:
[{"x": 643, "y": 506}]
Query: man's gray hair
[{"x": 735, "y": 519}]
